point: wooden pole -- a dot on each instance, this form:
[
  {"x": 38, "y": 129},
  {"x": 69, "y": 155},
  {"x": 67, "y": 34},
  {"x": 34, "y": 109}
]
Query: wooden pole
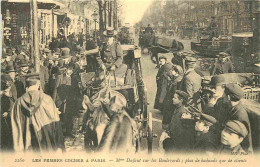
[
  {"x": 35, "y": 37},
  {"x": 257, "y": 31}
]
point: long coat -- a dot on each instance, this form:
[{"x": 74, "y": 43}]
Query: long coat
[
  {"x": 220, "y": 111},
  {"x": 111, "y": 54},
  {"x": 182, "y": 131},
  {"x": 191, "y": 84},
  {"x": 20, "y": 85},
  {"x": 207, "y": 142},
  {"x": 162, "y": 85},
  {"x": 35, "y": 123},
  {"x": 6, "y": 129}
]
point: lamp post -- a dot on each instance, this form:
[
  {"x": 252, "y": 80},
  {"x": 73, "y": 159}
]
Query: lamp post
[{"x": 95, "y": 17}]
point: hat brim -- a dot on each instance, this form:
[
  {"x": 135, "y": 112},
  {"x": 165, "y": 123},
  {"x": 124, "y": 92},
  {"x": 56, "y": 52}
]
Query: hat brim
[
  {"x": 23, "y": 65},
  {"x": 10, "y": 71}
]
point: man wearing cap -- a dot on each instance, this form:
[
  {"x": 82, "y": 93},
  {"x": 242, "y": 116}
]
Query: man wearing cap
[
  {"x": 181, "y": 127},
  {"x": 191, "y": 82},
  {"x": 112, "y": 55},
  {"x": 7, "y": 101},
  {"x": 20, "y": 79},
  {"x": 35, "y": 120},
  {"x": 223, "y": 65},
  {"x": 64, "y": 95},
  {"x": 207, "y": 141},
  {"x": 46, "y": 53},
  {"x": 238, "y": 112},
  {"x": 231, "y": 137}
]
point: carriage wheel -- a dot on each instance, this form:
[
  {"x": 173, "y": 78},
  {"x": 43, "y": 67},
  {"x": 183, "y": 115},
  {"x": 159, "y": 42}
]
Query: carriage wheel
[{"x": 150, "y": 132}]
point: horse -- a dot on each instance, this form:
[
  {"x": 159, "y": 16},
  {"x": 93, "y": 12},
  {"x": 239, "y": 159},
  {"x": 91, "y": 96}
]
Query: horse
[
  {"x": 120, "y": 133},
  {"x": 98, "y": 124}
]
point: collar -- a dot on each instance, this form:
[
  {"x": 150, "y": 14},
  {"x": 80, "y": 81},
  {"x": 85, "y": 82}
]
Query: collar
[{"x": 32, "y": 88}]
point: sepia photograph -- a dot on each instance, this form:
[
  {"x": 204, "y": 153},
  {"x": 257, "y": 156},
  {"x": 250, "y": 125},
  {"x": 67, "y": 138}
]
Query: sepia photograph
[{"x": 130, "y": 83}]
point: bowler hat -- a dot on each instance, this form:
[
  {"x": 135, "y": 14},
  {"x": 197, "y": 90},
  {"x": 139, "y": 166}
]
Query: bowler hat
[
  {"x": 183, "y": 94},
  {"x": 110, "y": 32},
  {"x": 237, "y": 127},
  {"x": 234, "y": 90},
  {"x": 56, "y": 50},
  {"x": 23, "y": 63},
  {"x": 65, "y": 52}
]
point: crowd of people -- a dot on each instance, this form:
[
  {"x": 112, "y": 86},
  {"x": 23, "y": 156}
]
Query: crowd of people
[
  {"x": 39, "y": 108},
  {"x": 220, "y": 125}
]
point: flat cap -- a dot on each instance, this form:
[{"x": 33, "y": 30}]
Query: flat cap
[
  {"x": 218, "y": 80},
  {"x": 190, "y": 59},
  {"x": 237, "y": 127},
  {"x": 234, "y": 90},
  {"x": 208, "y": 119},
  {"x": 183, "y": 94},
  {"x": 32, "y": 76},
  {"x": 162, "y": 57}
]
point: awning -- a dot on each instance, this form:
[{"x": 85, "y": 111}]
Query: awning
[
  {"x": 60, "y": 11},
  {"x": 56, "y": 5},
  {"x": 243, "y": 35}
]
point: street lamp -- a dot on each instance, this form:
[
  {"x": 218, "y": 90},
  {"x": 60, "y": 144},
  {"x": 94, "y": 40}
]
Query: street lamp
[{"x": 95, "y": 17}]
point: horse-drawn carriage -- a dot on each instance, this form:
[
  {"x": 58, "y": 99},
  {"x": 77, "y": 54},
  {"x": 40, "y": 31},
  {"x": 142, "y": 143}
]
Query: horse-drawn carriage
[
  {"x": 130, "y": 97},
  {"x": 126, "y": 35},
  {"x": 187, "y": 30},
  {"x": 210, "y": 48}
]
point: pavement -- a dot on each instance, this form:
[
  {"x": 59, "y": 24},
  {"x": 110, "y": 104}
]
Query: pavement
[{"x": 149, "y": 75}]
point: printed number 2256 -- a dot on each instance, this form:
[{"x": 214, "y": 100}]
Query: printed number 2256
[{"x": 19, "y": 160}]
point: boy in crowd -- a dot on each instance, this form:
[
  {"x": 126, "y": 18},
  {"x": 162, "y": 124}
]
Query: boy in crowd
[
  {"x": 206, "y": 138},
  {"x": 181, "y": 128},
  {"x": 231, "y": 137}
]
